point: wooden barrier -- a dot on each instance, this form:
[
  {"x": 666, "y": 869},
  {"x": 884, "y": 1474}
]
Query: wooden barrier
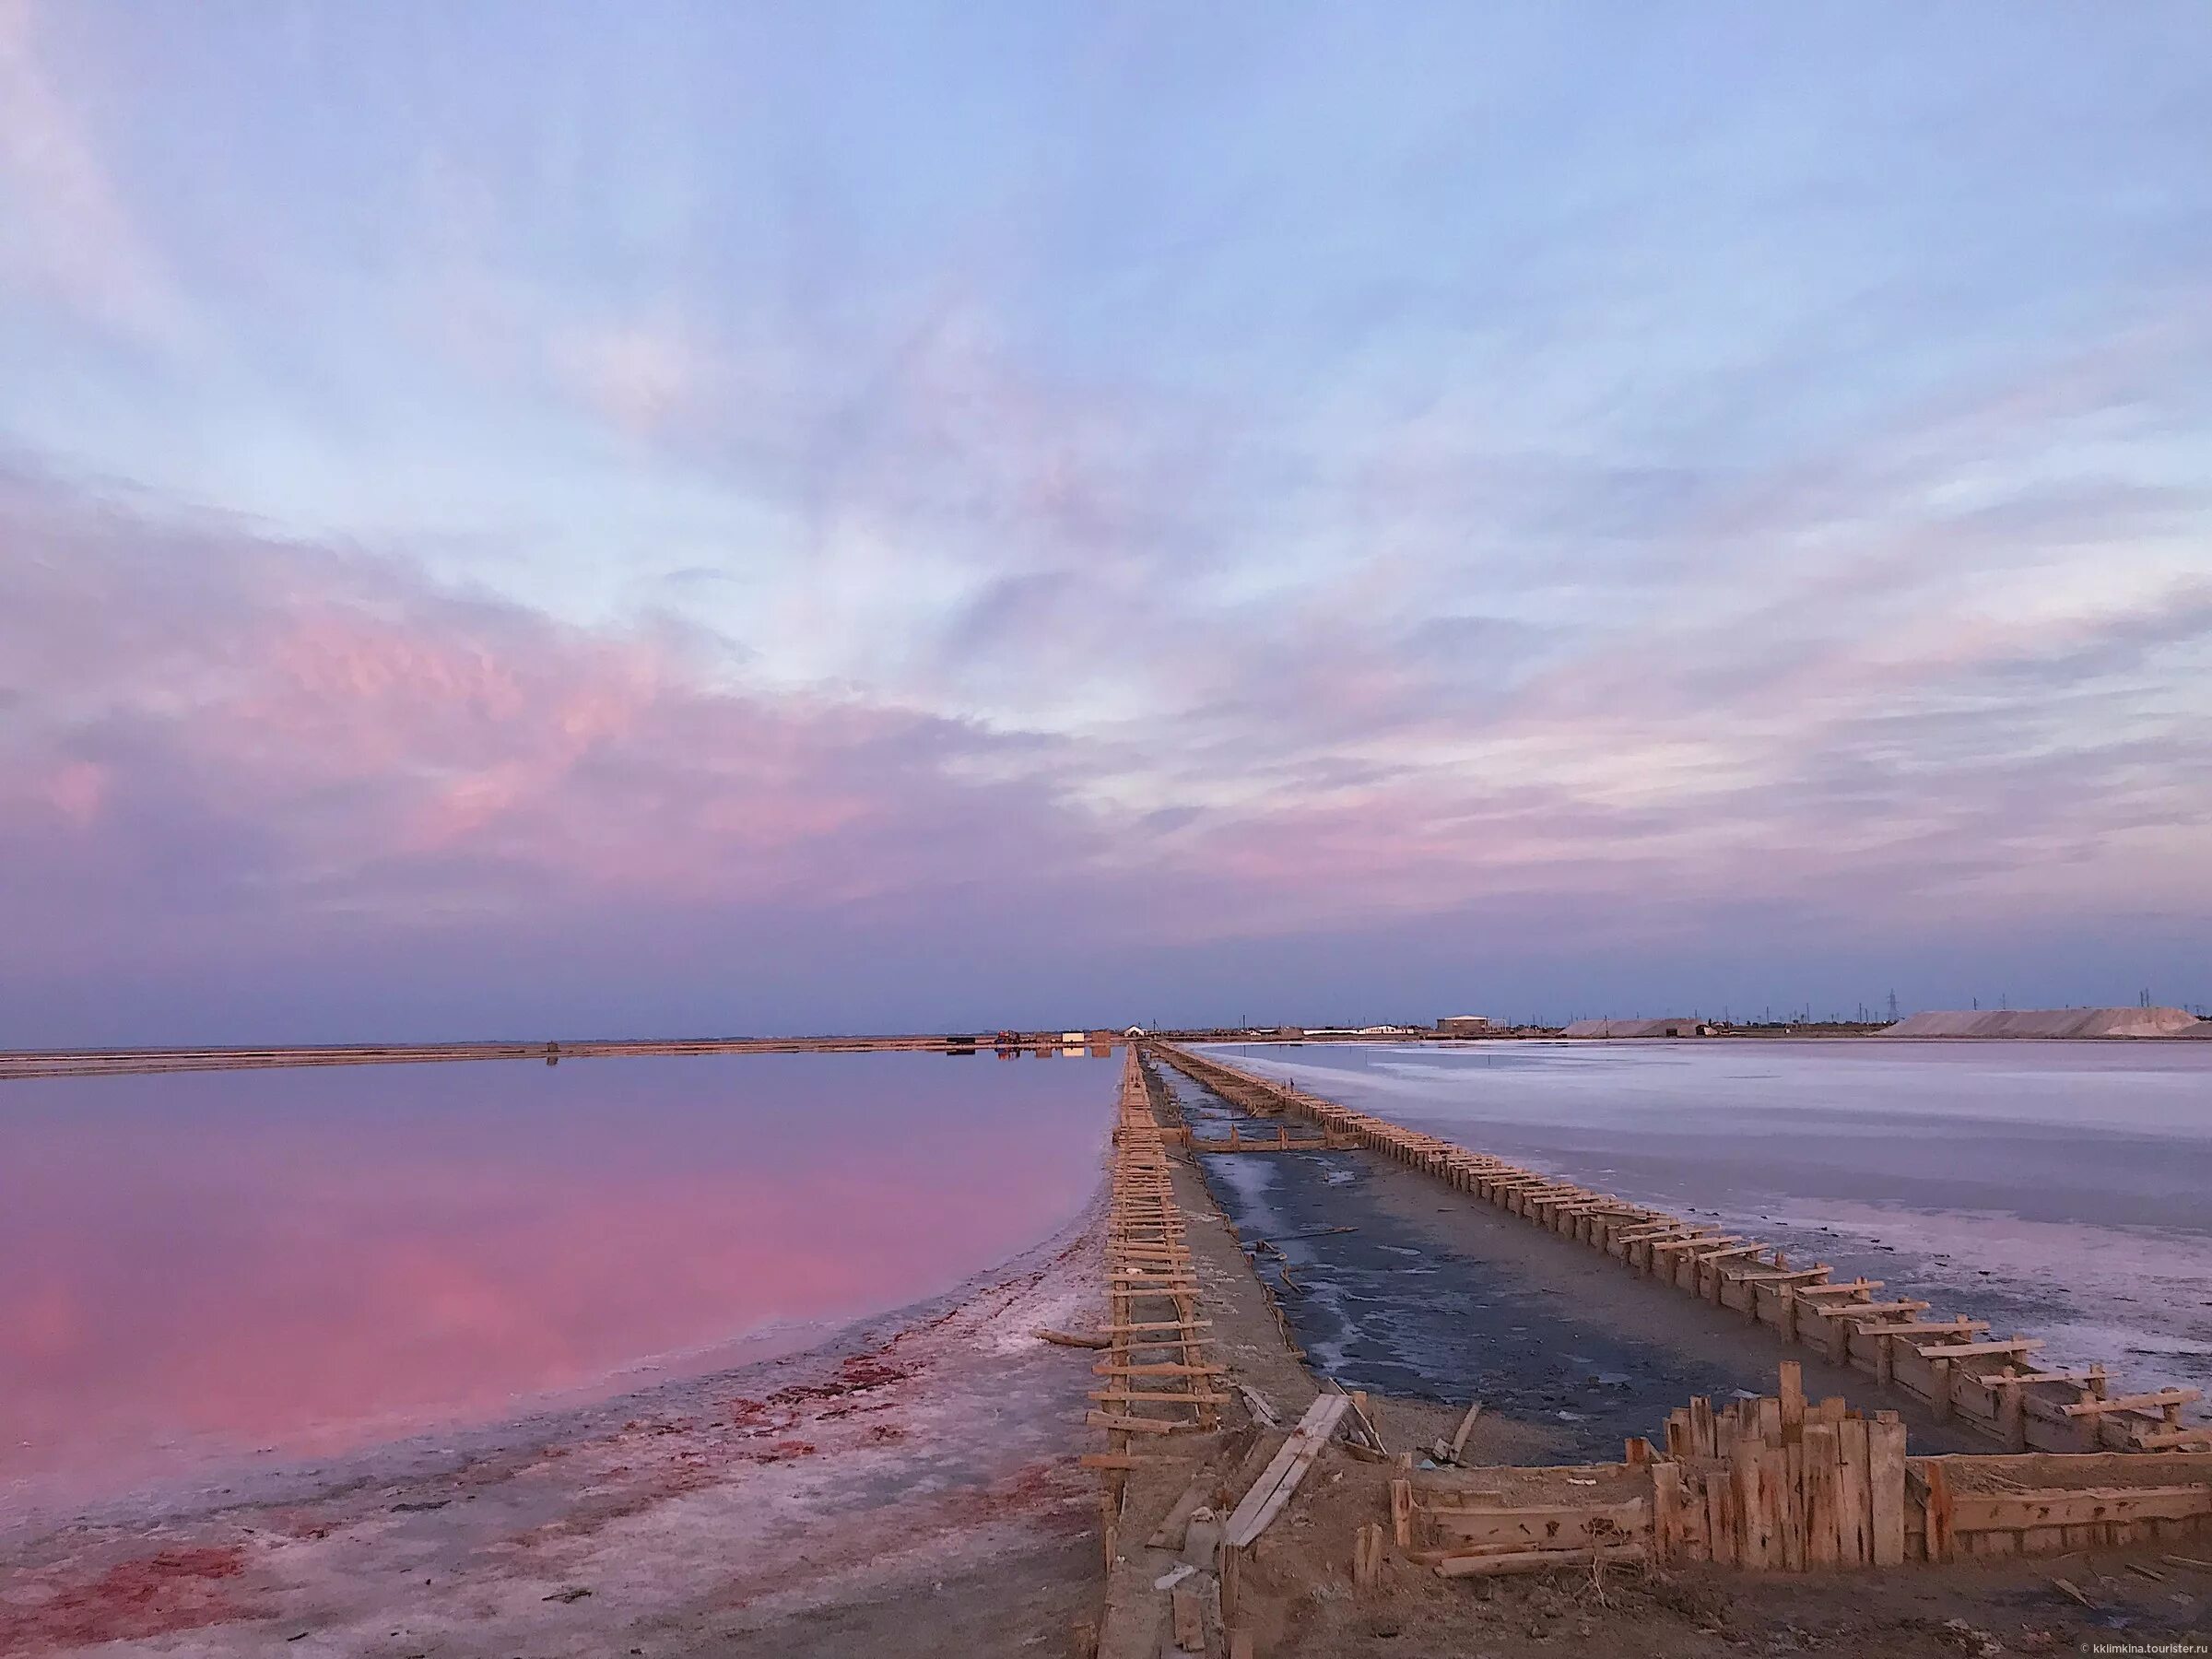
[
  {"x": 1159, "y": 1380},
  {"x": 1784, "y": 1484},
  {"x": 1467, "y": 1522},
  {"x": 1780, "y": 1483},
  {"x": 1989, "y": 1385}
]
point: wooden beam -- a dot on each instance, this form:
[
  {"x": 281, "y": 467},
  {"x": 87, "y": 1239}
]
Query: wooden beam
[
  {"x": 2141, "y": 1402},
  {"x": 1866, "y": 1309},
  {"x": 1285, "y": 1471},
  {"x": 1967, "y": 1350}
]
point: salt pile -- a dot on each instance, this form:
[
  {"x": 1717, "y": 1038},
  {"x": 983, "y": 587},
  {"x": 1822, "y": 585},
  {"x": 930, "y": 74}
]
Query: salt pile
[{"x": 2045, "y": 1022}]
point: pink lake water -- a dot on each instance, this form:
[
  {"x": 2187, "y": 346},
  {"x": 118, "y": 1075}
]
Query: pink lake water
[{"x": 268, "y": 1263}]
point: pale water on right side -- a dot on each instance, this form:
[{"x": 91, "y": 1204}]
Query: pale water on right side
[{"x": 2059, "y": 1189}]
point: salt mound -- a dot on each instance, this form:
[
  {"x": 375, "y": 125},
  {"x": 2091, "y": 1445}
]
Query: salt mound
[
  {"x": 2047, "y": 1022},
  {"x": 1632, "y": 1028}
]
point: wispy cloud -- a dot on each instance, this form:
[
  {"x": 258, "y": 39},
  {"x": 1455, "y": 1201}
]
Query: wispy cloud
[
  {"x": 73, "y": 239},
  {"x": 1107, "y": 524}
]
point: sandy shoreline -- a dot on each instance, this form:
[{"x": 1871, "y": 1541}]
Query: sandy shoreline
[{"x": 769, "y": 1508}]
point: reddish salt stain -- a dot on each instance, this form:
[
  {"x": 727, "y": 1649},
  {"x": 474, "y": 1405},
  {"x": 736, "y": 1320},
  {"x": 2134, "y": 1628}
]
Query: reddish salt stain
[{"x": 153, "y": 1595}]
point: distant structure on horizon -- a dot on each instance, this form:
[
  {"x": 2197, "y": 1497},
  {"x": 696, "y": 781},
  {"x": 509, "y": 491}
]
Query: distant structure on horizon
[
  {"x": 2050, "y": 1022},
  {"x": 1464, "y": 1025},
  {"x": 1674, "y": 1027}
]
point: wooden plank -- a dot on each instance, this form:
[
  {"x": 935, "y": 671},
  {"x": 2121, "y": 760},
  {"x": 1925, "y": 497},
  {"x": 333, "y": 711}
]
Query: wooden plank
[
  {"x": 1367, "y": 1557},
  {"x": 1537, "y": 1560},
  {"x": 1169, "y": 1533},
  {"x": 1854, "y": 1521},
  {"x": 1721, "y": 1510},
  {"x": 1124, "y": 1461},
  {"x": 1549, "y": 1527},
  {"x": 1726, "y": 1254},
  {"x": 1189, "y": 1618},
  {"x": 1467, "y": 1424},
  {"x": 1790, "y": 1492},
  {"x": 1154, "y": 1396},
  {"x": 1668, "y": 1540},
  {"x": 1757, "y": 1511},
  {"x": 1793, "y": 1401},
  {"x": 2160, "y": 1439},
  {"x": 1886, "y": 1487},
  {"x": 1134, "y": 1425},
  {"x": 1866, "y": 1310},
  {"x": 1942, "y": 1539},
  {"x": 1971, "y": 1350},
  {"x": 1979, "y": 1512},
  {"x": 1283, "y": 1473},
  {"x": 2140, "y": 1402},
  {"x": 1823, "y": 1493},
  {"x": 1176, "y": 1369}
]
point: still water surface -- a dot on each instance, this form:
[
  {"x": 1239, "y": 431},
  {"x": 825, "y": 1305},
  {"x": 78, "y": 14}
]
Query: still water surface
[
  {"x": 2061, "y": 1190},
  {"x": 275, "y": 1262}
]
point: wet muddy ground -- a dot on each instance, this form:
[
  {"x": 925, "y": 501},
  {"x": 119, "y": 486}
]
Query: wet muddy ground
[{"x": 1395, "y": 1284}]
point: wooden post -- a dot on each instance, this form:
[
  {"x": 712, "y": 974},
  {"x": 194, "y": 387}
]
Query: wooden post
[
  {"x": 1367, "y": 1557},
  {"x": 1721, "y": 1508},
  {"x": 1789, "y": 1528},
  {"x": 1942, "y": 1544},
  {"x": 1854, "y": 1518},
  {"x": 1823, "y": 1481},
  {"x": 1886, "y": 1486},
  {"x": 1838, "y": 1339},
  {"x": 1939, "y": 1401},
  {"x": 2012, "y": 1415},
  {"x": 1666, "y": 1512},
  {"x": 1768, "y": 1417},
  {"x": 1793, "y": 1401}
]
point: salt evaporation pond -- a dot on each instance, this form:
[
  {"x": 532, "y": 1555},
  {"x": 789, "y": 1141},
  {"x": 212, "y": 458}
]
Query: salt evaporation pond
[
  {"x": 2063, "y": 1190},
  {"x": 232, "y": 1266}
]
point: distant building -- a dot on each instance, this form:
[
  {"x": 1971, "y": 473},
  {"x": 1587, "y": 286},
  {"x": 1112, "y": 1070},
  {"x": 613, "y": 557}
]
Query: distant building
[{"x": 1465, "y": 1025}]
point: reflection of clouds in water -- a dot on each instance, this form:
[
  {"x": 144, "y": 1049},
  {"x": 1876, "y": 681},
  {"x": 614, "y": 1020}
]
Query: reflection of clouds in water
[{"x": 314, "y": 1261}]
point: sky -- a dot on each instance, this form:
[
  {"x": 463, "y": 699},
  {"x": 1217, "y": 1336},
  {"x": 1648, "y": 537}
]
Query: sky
[{"x": 551, "y": 519}]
